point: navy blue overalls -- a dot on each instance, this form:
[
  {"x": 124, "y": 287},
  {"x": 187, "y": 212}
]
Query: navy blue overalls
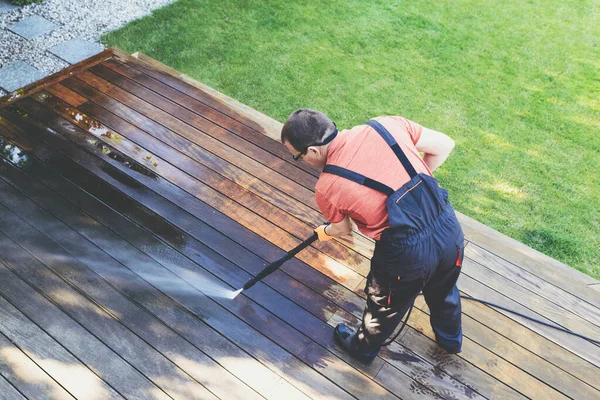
[{"x": 422, "y": 250}]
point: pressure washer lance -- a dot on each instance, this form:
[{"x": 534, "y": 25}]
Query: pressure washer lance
[{"x": 276, "y": 264}]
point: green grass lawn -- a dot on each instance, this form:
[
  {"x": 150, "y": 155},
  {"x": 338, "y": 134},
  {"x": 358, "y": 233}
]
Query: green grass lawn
[{"x": 515, "y": 83}]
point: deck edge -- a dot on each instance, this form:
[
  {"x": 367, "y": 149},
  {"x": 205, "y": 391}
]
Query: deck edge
[{"x": 36, "y": 86}]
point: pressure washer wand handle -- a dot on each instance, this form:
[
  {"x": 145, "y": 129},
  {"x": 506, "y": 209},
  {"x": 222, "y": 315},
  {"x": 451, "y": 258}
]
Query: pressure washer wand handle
[{"x": 276, "y": 264}]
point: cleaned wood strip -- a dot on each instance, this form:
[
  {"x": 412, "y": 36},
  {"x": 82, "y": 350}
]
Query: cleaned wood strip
[
  {"x": 25, "y": 376},
  {"x": 114, "y": 72},
  {"x": 142, "y": 114},
  {"x": 261, "y": 320},
  {"x": 225, "y": 105},
  {"x": 210, "y": 375},
  {"x": 538, "y": 306},
  {"x": 415, "y": 363},
  {"x": 8, "y": 391},
  {"x": 172, "y": 313},
  {"x": 530, "y": 260},
  {"x": 147, "y": 150},
  {"x": 66, "y": 94},
  {"x": 37, "y": 338},
  {"x": 110, "y": 74},
  {"x": 96, "y": 320},
  {"x": 566, "y": 302},
  {"x": 273, "y": 178},
  {"x": 187, "y": 123},
  {"x": 267, "y": 126},
  {"x": 580, "y": 347}
]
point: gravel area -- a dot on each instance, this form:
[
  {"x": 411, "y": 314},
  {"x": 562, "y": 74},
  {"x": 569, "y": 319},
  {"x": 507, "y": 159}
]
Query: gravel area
[{"x": 87, "y": 19}]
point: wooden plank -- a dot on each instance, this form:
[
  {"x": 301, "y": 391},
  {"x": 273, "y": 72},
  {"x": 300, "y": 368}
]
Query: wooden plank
[
  {"x": 256, "y": 316},
  {"x": 66, "y": 367},
  {"x": 98, "y": 321},
  {"x": 458, "y": 367},
  {"x": 26, "y": 377},
  {"x": 8, "y": 391},
  {"x": 54, "y": 78},
  {"x": 580, "y": 347},
  {"x": 565, "y": 302},
  {"x": 457, "y": 379},
  {"x": 66, "y": 94},
  {"x": 533, "y": 302},
  {"x": 529, "y": 259},
  {"x": 160, "y": 337},
  {"x": 276, "y": 148},
  {"x": 199, "y": 178},
  {"x": 413, "y": 390},
  {"x": 187, "y": 325},
  {"x": 272, "y": 128}
]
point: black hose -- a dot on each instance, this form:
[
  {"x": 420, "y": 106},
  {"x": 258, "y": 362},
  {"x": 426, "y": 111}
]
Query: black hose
[{"x": 560, "y": 328}]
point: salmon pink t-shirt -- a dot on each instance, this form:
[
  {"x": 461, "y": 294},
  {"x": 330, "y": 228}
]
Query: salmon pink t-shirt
[{"x": 362, "y": 150}]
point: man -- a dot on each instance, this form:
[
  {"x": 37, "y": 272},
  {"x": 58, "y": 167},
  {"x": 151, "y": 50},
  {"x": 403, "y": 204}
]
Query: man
[{"x": 374, "y": 175}]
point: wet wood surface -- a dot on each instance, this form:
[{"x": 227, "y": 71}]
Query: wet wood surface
[{"x": 128, "y": 191}]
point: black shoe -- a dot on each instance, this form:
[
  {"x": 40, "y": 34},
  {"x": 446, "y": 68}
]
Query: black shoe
[{"x": 346, "y": 337}]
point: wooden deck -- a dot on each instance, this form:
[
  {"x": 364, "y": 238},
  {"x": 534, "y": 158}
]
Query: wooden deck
[{"x": 125, "y": 187}]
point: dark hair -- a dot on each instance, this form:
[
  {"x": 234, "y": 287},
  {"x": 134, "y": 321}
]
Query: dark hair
[{"x": 305, "y": 127}]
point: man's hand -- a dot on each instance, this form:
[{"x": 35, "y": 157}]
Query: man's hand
[
  {"x": 322, "y": 233},
  {"x": 337, "y": 229}
]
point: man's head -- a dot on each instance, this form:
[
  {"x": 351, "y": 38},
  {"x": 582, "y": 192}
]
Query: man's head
[{"x": 302, "y": 133}]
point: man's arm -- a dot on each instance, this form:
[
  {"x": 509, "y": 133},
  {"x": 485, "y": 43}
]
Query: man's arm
[{"x": 437, "y": 146}]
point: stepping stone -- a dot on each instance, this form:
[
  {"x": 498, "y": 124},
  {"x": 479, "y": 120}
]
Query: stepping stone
[
  {"x": 5, "y": 6},
  {"x": 75, "y": 50},
  {"x": 32, "y": 27},
  {"x": 18, "y": 74}
]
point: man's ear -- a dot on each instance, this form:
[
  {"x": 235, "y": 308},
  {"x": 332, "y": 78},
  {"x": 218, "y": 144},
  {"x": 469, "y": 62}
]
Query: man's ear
[{"x": 313, "y": 150}]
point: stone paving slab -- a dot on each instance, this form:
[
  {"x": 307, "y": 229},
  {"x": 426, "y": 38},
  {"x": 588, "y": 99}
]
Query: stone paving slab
[
  {"x": 32, "y": 27},
  {"x": 5, "y": 6},
  {"x": 76, "y": 50},
  {"x": 18, "y": 74}
]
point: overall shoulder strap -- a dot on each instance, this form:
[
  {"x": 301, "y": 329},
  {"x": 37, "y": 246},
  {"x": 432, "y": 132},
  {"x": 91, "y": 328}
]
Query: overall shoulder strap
[
  {"x": 358, "y": 178},
  {"x": 368, "y": 182},
  {"x": 389, "y": 139}
]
